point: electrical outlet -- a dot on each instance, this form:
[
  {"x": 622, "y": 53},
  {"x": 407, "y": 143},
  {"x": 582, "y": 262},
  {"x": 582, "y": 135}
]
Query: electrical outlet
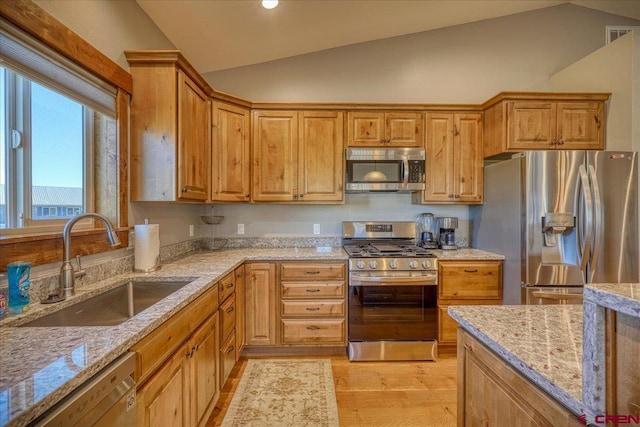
[
  {"x": 240, "y": 228},
  {"x": 191, "y": 230},
  {"x": 316, "y": 228}
]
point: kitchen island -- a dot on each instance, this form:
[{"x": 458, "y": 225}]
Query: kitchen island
[{"x": 541, "y": 351}]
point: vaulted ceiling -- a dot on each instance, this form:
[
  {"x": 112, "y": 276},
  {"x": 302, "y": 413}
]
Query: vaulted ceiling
[{"x": 221, "y": 34}]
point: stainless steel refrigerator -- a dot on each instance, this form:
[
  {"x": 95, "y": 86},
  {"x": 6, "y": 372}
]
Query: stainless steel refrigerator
[{"x": 562, "y": 219}]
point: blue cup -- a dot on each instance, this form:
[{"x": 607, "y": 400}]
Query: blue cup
[{"x": 18, "y": 273}]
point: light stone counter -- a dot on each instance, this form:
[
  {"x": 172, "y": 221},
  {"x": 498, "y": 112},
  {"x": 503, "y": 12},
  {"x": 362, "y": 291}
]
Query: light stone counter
[
  {"x": 621, "y": 297},
  {"x": 542, "y": 342},
  {"x": 466, "y": 254},
  {"x": 39, "y": 366}
]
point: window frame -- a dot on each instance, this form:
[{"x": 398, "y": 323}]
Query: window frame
[{"x": 47, "y": 247}]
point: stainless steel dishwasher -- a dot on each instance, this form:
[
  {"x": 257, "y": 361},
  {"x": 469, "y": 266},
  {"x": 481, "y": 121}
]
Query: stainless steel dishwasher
[{"x": 107, "y": 399}]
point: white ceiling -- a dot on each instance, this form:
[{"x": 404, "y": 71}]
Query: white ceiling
[{"x": 220, "y": 34}]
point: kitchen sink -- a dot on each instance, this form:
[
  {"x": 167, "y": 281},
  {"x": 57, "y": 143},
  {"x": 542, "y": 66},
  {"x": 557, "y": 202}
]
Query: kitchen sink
[{"x": 112, "y": 307}]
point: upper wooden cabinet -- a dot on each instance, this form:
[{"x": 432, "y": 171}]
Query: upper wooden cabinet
[
  {"x": 371, "y": 129},
  {"x": 453, "y": 159},
  {"x": 230, "y": 162},
  {"x": 297, "y": 156},
  {"x": 517, "y": 122},
  {"x": 170, "y": 129}
]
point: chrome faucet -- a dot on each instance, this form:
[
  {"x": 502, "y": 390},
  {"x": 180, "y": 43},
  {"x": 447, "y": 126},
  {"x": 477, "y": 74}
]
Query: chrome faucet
[{"x": 66, "y": 284}]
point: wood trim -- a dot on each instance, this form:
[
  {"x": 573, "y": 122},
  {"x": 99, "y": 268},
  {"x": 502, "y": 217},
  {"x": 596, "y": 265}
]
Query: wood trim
[
  {"x": 154, "y": 57},
  {"x": 364, "y": 107},
  {"x": 225, "y": 97},
  {"x": 35, "y": 21},
  {"x": 122, "y": 118},
  {"x": 546, "y": 96}
]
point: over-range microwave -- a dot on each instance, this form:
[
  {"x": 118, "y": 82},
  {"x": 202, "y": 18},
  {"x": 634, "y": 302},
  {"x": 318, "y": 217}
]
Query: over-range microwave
[{"x": 390, "y": 169}]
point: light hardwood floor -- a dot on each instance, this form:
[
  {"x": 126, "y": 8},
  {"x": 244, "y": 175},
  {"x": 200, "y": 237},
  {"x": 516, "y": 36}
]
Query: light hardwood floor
[{"x": 380, "y": 393}]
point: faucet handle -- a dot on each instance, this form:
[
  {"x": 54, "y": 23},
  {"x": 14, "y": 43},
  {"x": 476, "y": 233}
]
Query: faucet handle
[{"x": 79, "y": 271}]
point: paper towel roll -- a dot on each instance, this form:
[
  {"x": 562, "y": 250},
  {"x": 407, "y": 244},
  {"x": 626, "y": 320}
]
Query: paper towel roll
[{"x": 147, "y": 247}]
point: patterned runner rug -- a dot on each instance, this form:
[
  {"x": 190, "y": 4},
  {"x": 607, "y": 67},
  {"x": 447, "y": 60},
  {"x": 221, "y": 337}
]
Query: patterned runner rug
[{"x": 284, "y": 392}]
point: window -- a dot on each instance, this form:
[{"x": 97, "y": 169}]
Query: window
[{"x": 56, "y": 124}]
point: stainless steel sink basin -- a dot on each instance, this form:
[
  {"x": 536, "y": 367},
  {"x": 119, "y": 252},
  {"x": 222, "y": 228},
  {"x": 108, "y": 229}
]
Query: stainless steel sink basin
[{"x": 112, "y": 307}]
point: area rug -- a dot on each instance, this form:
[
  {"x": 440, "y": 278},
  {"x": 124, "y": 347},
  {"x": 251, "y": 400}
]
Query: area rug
[{"x": 284, "y": 392}]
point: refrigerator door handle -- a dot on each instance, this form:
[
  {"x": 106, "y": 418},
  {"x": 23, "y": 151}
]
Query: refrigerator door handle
[
  {"x": 585, "y": 225},
  {"x": 597, "y": 223}
]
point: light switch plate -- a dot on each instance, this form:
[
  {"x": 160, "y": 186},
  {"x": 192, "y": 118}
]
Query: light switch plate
[
  {"x": 240, "y": 228},
  {"x": 316, "y": 228}
]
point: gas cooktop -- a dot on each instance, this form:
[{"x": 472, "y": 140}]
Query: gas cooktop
[{"x": 385, "y": 249}]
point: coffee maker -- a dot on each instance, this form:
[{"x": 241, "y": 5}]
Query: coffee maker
[
  {"x": 426, "y": 225},
  {"x": 447, "y": 237}
]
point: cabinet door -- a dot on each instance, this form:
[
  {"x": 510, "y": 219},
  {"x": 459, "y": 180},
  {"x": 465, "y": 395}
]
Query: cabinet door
[
  {"x": 320, "y": 164},
  {"x": 275, "y": 156},
  {"x": 260, "y": 304},
  {"x": 204, "y": 362},
  {"x": 164, "y": 401},
  {"x": 365, "y": 128},
  {"x": 531, "y": 125},
  {"x": 404, "y": 129},
  {"x": 580, "y": 126},
  {"x": 194, "y": 140},
  {"x": 240, "y": 311},
  {"x": 439, "y": 158},
  {"x": 468, "y": 162},
  {"x": 230, "y": 153}
]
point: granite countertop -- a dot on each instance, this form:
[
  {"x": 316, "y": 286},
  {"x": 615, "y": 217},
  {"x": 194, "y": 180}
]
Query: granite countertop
[
  {"x": 622, "y": 297},
  {"x": 42, "y": 365},
  {"x": 466, "y": 254},
  {"x": 542, "y": 342}
]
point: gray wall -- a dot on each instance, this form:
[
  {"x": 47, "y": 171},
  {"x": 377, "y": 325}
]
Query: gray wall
[{"x": 463, "y": 64}]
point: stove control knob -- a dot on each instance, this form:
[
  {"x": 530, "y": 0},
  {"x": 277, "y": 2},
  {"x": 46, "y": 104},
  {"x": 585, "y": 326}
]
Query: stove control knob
[
  {"x": 413, "y": 264},
  {"x": 373, "y": 264},
  {"x": 360, "y": 264},
  {"x": 426, "y": 264},
  {"x": 393, "y": 264}
]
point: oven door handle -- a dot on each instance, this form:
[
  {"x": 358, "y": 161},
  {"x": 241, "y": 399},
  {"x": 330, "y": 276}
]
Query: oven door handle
[{"x": 427, "y": 280}]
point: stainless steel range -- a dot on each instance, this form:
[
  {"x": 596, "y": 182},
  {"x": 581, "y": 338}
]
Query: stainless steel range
[{"x": 392, "y": 292}]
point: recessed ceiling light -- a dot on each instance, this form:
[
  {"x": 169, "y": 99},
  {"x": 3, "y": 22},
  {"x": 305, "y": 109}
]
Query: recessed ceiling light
[{"x": 269, "y": 4}]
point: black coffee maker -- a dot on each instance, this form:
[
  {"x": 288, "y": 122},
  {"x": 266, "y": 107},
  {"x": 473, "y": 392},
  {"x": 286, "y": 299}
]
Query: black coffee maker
[{"x": 447, "y": 237}]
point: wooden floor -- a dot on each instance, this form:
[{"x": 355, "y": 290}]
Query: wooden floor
[{"x": 380, "y": 393}]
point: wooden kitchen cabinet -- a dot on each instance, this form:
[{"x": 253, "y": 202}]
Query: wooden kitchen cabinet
[
  {"x": 374, "y": 128},
  {"x": 312, "y": 303},
  {"x": 517, "y": 122},
  {"x": 240, "y": 311},
  {"x": 491, "y": 393},
  {"x": 228, "y": 314},
  {"x": 260, "y": 304},
  {"x": 454, "y": 162},
  {"x": 230, "y": 158},
  {"x": 177, "y": 369},
  {"x": 170, "y": 129},
  {"x": 466, "y": 282},
  {"x": 297, "y": 156}
]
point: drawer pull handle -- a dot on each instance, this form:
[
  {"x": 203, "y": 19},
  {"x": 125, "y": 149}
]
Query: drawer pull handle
[
  {"x": 313, "y": 328},
  {"x": 313, "y": 290},
  {"x": 230, "y": 285},
  {"x": 313, "y": 272},
  {"x": 230, "y": 349},
  {"x": 312, "y": 308},
  {"x": 475, "y": 270},
  {"x": 231, "y": 310}
]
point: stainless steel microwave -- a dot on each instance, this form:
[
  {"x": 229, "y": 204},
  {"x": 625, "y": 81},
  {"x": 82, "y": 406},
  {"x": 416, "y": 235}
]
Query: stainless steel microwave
[{"x": 391, "y": 169}]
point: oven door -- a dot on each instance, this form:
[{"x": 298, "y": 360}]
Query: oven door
[{"x": 393, "y": 306}]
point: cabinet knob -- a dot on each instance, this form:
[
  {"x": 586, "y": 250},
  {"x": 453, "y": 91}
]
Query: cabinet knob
[
  {"x": 301, "y": 195},
  {"x": 597, "y": 119},
  {"x": 246, "y": 195},
  {"x": 451, "y": 196},
  {"x": 231, "y": 310},
  {"x": 560, "y": 142},
  {"x": 457, "y": 196}
]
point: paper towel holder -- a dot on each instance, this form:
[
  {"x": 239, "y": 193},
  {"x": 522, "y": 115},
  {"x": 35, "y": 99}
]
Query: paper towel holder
[{"x": 156, "y": 265}]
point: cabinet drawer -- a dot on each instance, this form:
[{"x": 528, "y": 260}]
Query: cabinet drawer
[
  {"x": 227, "y": 317},
  {"x": 227, "y": 286},
  {"x": 313, "y": 331},
  {"x": 227, "y": 358},
  {"x": 312, "y": 290},
  {"x": 318, "y": 308},
  {"x": 470, "y": 280},
  {"x": 312, "y": 270},
  {"x": 156, "y": 347}
]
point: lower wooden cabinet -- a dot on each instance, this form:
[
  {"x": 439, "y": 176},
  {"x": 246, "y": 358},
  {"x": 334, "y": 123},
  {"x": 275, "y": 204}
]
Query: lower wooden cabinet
[
  {"x": 184, "y": 390},
  {"x": 240, "y": 311},
  {"x": 492, "y": 393},
  {"x": 260, "y": 304},
  {"x": 465, "y": 282}
]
